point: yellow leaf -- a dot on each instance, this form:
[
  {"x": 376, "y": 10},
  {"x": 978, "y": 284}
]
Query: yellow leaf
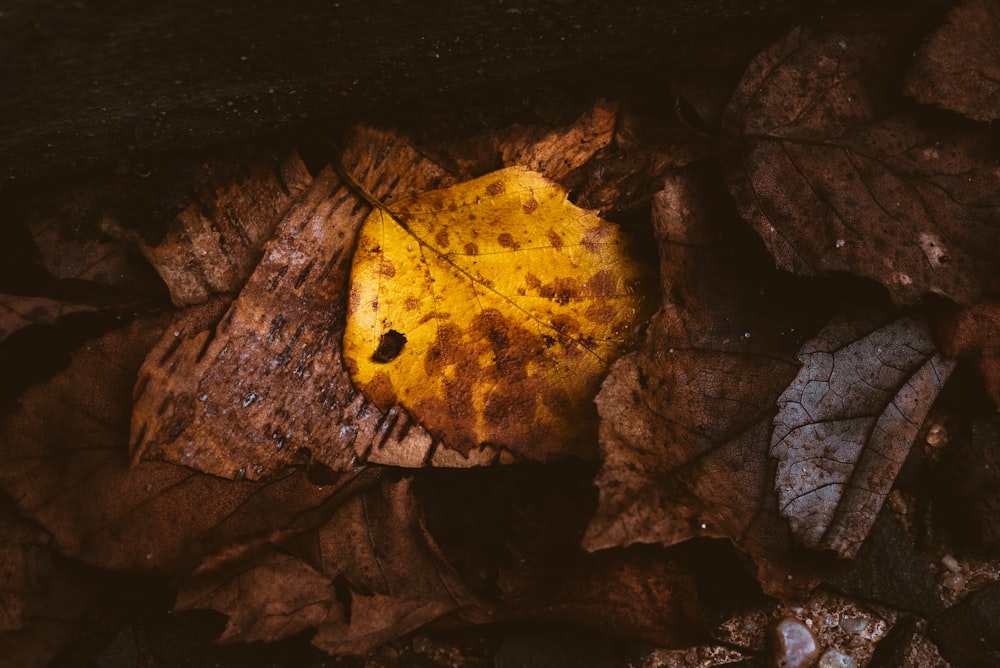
[{"x": 491, "y": 311}]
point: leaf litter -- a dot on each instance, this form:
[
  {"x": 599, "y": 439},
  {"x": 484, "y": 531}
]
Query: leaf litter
[{"x": 307, "y": 523}]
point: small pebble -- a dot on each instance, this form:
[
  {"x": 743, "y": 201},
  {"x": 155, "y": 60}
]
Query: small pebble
[
  {"x": 951, "y": 563},
  {"x": 853, "y": 625},
  {"x": 833, "y": 659},
  {"x": 954, "y": 581},
  {"x": 794, "y": 644},
  {"x": 937, "y": 436}
]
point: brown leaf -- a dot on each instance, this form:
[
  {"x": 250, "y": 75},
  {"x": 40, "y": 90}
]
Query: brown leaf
[
  {"x": 846, "y": 423},
  {"x": 958, "y": 68},
  {"x": 832, "y": 186},
  {"x": 96, "y": 259},
  {"x": 65, "y": 463},
  {"x": 685, "y": 420},
  {"x": 972, "y": 333},
  {"x": 264, "y": 388},
  {"x": 43, "y": 600},
  {"x": 213, "y": 244},
  {"x": 17, "y": 312},
  {"x": 374, "y": 546}
]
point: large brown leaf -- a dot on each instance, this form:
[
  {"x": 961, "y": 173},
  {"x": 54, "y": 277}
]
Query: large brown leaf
[
  {"x": 846, "y": 423},
  {"x": 264, "y": 387},
  {"x": 65, "y": 463},
  {"x": 833, "y": 185},
  {"x": 43, "y": 599},
  {"x": 685, "y": 420},
  {"x": 374, "y": 548},
  {"x": 958, "y": 68},
  {"x": 18, "y": 312}
]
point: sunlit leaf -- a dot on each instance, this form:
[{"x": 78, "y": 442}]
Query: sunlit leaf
[{"x": 491, "y": 310}]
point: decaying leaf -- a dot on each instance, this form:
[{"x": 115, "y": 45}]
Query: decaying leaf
[
  {"x": 685, "y": 419},
  {"x": 833, "y": 185},
  {"x": 393, "y": 577},
  {"x": 263, "y": 388},
  {"x": 490, "y": 311},
  {"x": 958, "y": 68},
  {"x": 972, "y": 333},
  {"x": 846, "y": 423},
  {"x": 214, "y": 244},
  {"x": 65, "y": 464},
  {"x": 43, "y": 599},
  {"x": 17, "y": 312}
]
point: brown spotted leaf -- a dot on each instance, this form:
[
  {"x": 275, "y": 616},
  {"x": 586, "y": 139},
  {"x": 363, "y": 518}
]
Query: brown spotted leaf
[
  {"x": 832, "y": 185},
  {"x": 375, "y": 547},
  {"x": 214, "y": 243},
  {"x": 490, "y": 310},
  {"x": 958, "y": 68},
  {"x": 65, "y": 464},
  {"x": 685, "y": 420},
  {"x": 846, "y": 423}
]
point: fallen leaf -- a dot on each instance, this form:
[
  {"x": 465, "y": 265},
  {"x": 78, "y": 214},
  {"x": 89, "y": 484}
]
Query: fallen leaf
[
  {"x": 43, "y": 599},
  {"x": 833, "y": 185},
  {"x": 94, "y": 258},
  {"x": 17, "y": 312},
  {"x": 262, "y": 387},
  {"x": 958, "y": 67},
  {"x": 846, "y": 423},
  {"x": 556, "y": 152},
  {"x": 65, "y": 464},
  {"x": 214, "y": 243},
  {"x": 490, "y": 311},
  {"x": 685, "y": 419},
  {"x": 374, "y": 574},
  {"x": 972, "y": 333}
]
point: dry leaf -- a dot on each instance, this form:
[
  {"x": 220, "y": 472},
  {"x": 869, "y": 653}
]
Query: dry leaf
[
  {"x": 213, "y": 244},
  {"x": 43, "y": 599},
  {"x": 17, "y": 312},
  {"x": 490, "y": 311},
  {"x": 846, "y": 423},
  {"x": 685, "y": 419},
  {"x": 958, "y": 68},
  {"x": 263, "y": 388},
  {"x": 832, "y": 186},
  {"x": 65, "y": 463},
  {"x": 393, "y": 579},
  {"x": 972, "y": 333}
]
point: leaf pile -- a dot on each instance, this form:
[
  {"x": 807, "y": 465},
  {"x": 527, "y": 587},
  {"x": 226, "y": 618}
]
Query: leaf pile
[{"x": 503, "y": 413}]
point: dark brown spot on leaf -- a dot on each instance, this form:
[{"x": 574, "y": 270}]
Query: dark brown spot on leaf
[
  {"x": 471, "y": 249},
  {"x": 441, "y": 238},
  {"x": 507, "y": 241},
  {"x": 389, "y": 347},
  {"x": 495, "y": 188},
  {"x": 387, "y": 269},
  {"x": 602, "y": 284},
  {"x": 530, "y": 205},
  {"x": 381, "y": 391},
  {"x": 555, "y": 239}
]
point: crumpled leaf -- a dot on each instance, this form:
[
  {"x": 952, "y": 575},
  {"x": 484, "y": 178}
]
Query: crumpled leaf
[
  {"x": 846, "y": 423},
  {"x": 43, "y": 600},
  {"x": 972, "y": 333},
  {"x": 685, "y": 419},
  {"x": 262, "y": 387},
  {"x": 490, "y": 311},
  {"x": 376, "y": 574},
  {"x": 214, "y": 243},
  {"x": 832, "y": 185},
  {"x": 17, "y": 312},
  {"x": 65, "y": 464},
  {"x": 958, "y": 68}
]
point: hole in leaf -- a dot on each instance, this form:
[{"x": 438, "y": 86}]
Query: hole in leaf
[{"x": 389, "y": 347}]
